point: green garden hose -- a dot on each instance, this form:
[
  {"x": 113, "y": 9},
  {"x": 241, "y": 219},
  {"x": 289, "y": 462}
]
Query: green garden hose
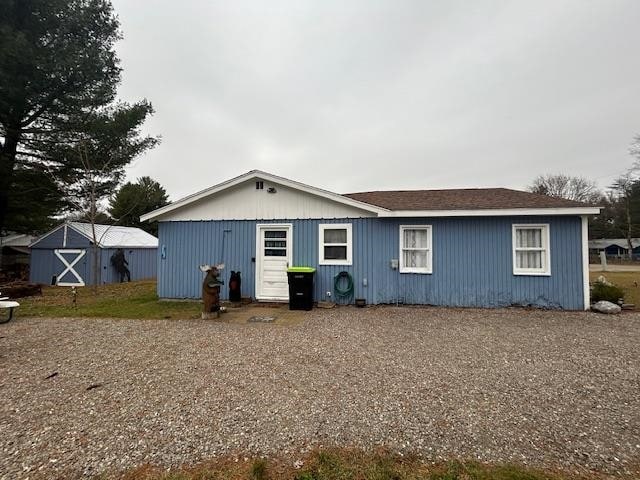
[{"x": 343, "y": 292}]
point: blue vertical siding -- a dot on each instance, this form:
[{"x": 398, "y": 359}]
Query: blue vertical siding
[
  {"x": 143, "y": 264},
  {"x": 42, "y": 264},
  {"x": 472, "y": 261}
]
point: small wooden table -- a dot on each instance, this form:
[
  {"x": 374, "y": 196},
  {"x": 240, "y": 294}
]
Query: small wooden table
[{"x": 6, "y": 304}]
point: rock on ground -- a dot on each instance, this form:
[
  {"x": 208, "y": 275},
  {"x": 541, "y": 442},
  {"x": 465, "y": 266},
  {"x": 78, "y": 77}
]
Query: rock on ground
[{"x": 604, "y": 306}]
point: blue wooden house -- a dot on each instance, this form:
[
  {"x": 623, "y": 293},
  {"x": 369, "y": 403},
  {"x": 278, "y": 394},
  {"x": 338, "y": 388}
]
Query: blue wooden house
[
  {"x": 614, "y": 247},
  {"x": 471, "y": 247},
  {"x": 63, "y": 255}
]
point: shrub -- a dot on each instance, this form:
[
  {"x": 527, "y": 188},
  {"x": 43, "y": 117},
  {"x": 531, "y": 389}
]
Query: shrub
[{"x": 606, "y": 291}]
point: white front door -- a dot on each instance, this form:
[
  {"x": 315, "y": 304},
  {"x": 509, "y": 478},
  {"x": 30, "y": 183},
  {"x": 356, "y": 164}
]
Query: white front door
[{"x": 273, "y": 257}]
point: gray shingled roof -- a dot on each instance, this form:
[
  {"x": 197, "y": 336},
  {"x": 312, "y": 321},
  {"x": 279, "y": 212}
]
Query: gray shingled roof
[{"x": 461, "y": 199}]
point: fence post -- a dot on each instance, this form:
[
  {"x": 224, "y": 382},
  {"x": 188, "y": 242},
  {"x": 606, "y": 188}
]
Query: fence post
[{"x": 603, "y": 260}]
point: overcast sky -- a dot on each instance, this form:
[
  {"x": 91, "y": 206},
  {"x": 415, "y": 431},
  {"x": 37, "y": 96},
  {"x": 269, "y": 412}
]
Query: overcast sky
[{"x": 366, "y": 95}]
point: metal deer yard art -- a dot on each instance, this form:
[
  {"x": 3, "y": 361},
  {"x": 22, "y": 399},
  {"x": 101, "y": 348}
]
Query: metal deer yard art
[{"x": 211, "y": 290}]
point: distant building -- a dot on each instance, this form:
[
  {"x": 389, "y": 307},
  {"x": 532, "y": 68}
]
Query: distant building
[
  {"x": 14, "y": 256},
  {"x": 63, "y": 256},
  {"x": 614, "y": 247}
]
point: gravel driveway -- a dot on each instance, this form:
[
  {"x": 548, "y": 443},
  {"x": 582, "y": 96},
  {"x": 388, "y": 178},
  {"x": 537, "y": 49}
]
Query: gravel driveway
[{"x": 542, "y": 388}]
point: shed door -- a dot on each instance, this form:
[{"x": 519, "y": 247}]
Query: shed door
[
  {"x": 71, "y": 269},
  {"x": 273, "y": 256}
]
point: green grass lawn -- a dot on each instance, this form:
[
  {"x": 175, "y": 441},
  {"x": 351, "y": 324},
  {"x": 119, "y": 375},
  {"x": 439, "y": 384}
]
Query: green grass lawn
[
  {"x": 139, "y": 300},
  {"x": 350, "y": 465},
  {"x": 121, "y": 300},
  {"x": 628, "y": 281}
]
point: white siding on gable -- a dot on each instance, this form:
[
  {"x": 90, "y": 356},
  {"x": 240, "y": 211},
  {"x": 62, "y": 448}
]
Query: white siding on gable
[{"x": 246, "y": 202}]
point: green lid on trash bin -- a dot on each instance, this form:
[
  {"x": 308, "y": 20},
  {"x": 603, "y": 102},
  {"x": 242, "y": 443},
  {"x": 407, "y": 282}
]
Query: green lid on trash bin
[{"x": 301, "y": 269}]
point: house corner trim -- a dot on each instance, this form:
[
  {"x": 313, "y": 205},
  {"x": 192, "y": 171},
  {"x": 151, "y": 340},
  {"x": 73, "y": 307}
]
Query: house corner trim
[{"x": 585, "y": 262}]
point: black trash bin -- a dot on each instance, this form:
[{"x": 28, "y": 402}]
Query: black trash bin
[{"x": 300, "y": 287}]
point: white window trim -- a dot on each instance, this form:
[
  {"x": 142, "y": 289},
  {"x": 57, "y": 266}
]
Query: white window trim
[
  {"x": 425, "y": 270},
  {"x": 546, "y": 247},
  {"x": 334, "y": 226}
]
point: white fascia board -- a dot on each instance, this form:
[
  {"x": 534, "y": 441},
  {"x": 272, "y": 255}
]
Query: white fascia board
[
  {"x": 586, "y": 291},
  {"x": 493, "y": 212},
  {"x": 80, "y": 232},
  {"x": 42, "y": 237},
  {"x": 262, "y": 176},
  {"x": 65, "y": 224}
]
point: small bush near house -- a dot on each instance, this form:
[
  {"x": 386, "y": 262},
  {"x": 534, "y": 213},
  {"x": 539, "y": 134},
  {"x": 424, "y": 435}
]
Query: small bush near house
[{"x": 606, "y": 291}]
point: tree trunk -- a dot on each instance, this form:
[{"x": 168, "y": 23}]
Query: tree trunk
[
  {"x": 7, "y": 165},
  {"x": 628, "y": 235},
  {"x": 95, "y": 250}
]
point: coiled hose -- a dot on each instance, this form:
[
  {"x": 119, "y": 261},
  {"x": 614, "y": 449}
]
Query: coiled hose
[{"x": 343, "y": 292}]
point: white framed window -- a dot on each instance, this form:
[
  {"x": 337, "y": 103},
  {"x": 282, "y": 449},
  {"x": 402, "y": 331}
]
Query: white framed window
[
  {"x": 416, "y": 252},
  {"x": 335, "y": 241},
  {"x": 531, "y": 249}
]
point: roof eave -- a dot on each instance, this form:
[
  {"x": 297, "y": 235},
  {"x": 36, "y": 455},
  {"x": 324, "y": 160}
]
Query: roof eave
[{"x": 494, "y": 212}]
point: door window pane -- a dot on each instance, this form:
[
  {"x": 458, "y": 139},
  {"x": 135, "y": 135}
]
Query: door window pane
[
  {"x": 275, "y": 243},
  {"x": 275, "y": 234},
  {"x": 275, "y": 252}
]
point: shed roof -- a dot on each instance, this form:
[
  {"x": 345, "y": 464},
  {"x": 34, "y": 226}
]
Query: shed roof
[
  {"x": 110, "y": 236},
  {"x": 461, "y": 199},
  {"x": 16, "y": 240},
  {"x": 602, "y": 243}
]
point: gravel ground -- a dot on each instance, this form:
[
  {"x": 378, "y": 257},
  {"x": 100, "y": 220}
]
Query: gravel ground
[{"x": 557, "y": 390}]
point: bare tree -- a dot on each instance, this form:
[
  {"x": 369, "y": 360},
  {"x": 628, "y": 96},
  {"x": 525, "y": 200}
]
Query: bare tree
[
  {"x": 623, "y": 188},
  {"x": 93, "y": 183},
  {"x": 579, "y": 189},
  {"x": 91, "y": 187}
]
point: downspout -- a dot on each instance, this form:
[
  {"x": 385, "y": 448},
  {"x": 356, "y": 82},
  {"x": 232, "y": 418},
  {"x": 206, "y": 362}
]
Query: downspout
[
  {"x": 224, "y": 238},
  {"x": 224, "y": 244},
  {"x": 398, "y": 284}
]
